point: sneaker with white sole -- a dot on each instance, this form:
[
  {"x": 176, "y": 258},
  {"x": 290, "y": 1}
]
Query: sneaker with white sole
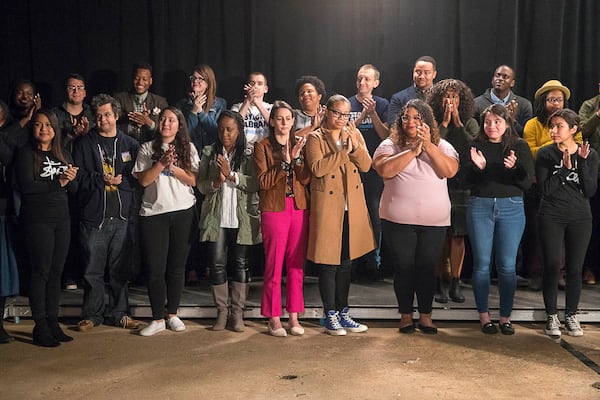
[
  {"x": 573, "y": 326},
  {"x": 552, "y": 325},
  {"x": 153, "y": 328},
  {"x": 175, "y": 324},
  {"x": 349, "y": 324},
  {"x": 332, "y": 324}
]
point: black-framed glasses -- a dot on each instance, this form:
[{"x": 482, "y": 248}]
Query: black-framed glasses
[
  {"x": 194, "y": 78},
  {"x": 555, "y": 100},
  {"x": 74, "y": 88},
  {"x": 338, "y": 114}
]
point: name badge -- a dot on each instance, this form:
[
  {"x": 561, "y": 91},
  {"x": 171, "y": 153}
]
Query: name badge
[{"x": 125, "y": 156}]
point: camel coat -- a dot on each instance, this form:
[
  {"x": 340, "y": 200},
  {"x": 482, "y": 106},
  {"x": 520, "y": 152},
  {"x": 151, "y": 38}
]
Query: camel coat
[{"x": 335, "y": 180}]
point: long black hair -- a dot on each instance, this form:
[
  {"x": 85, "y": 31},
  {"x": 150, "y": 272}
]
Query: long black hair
[
  {"x": 56, "y": 148},
  {"x": 510, "y": 136},
  {"x": 240, "y": 144},
  {"x": 181, "y": 141}
]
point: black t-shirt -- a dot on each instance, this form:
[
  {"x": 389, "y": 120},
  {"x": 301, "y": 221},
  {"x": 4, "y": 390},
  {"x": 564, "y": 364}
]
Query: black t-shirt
[{"x": 107, "y": 147}]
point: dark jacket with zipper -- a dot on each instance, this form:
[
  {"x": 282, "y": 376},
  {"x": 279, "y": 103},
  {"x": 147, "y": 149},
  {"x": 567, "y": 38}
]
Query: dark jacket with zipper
[{"x": 91, "y": 195}]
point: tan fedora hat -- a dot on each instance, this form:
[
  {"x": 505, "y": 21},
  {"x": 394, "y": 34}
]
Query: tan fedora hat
[{"x": 553, "y": 84}]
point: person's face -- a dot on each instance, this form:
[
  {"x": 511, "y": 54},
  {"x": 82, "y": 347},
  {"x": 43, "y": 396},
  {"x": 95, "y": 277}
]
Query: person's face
[
  {"x": 169, "y": 126},
  {"x": 228, "y": 132},
  {"x": 555, "y": 100},
  {"x": 338, "y": 115},
  {"x": 282, "y": 122},
  {"x": 24, "y": 94},
  {"x": 43, "y": 131},
  {"x": 308, "y": 97},
  {"x": 424, "y": 74},
  {"x": 75, "y": 91},
  {"x": 259, "y": 84},
  {"x": 106, "y": 119},
  {"x": 198, "y": 83},
  {"x": 451, "y": 97},
  {"x": 560, "y": 131},
  {"x": 503, "y": 79},
  {"x": 365, "y": 81},
  {"x": 411, "y": 120},
  {"x": 494, "y": 127},
  {"x": 142, "y": 81}
]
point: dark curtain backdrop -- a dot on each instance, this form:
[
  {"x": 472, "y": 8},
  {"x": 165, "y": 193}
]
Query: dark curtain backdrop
[{"x": 542, "y": 39}]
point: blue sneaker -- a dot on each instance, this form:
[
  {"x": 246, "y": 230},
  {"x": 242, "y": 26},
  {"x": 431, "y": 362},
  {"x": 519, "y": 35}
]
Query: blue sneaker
[
  {"x": 349, "y": 324},
  {"x": 332, "y": 324}
]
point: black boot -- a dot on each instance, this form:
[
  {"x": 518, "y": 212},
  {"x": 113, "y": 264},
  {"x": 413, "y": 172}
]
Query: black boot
[
  {"x": 441, "y": 290},
  {"x": 57, "y": 332},
  {"x": 42, "y": 335},
  {"x": 4, "y": 336},
  {"x": 455, "y": 292}
]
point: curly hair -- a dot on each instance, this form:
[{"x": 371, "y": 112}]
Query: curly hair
[
  {"x": 435, "y": 98},
  {"x": 510, "y": 136},
  {"x": 313, "y": 80},
  {"x": 397, "y": 134},
  {"x": 181, "y": 142}
]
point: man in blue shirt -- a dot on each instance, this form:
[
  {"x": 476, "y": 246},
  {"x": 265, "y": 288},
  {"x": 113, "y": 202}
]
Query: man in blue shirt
[
  {"x": 369, "y": 113},
  {"x": 424, "y": 73}
]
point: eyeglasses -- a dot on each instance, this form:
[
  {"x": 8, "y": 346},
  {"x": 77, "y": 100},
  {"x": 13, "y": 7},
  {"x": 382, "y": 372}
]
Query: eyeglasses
[
  {"x": 196, "y": 78},
  {"x": 338, "y": 114},
  {"x": 555, "y": 100},
  {"x": 74, "y": 88},
  {"x": 406, "y": 118}
]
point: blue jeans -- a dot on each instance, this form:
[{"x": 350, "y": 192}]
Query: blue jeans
[
  {"x": 103, "y": 248},
  {"x": 495, "y": 225}
]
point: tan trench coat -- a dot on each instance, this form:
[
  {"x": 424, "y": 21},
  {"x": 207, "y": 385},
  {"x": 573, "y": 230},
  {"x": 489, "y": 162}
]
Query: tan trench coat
[{"x": 333, "y": 172}]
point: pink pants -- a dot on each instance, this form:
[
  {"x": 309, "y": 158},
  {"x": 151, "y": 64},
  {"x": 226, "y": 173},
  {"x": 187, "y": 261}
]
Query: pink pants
[{"x": 284, "y": 239}]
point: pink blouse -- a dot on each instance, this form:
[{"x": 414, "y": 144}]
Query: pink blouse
[{"x": 415, "y": 196}]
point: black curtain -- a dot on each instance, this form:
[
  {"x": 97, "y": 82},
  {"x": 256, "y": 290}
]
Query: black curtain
[{"x": 541, "y": 39}]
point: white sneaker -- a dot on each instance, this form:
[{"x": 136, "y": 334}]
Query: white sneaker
[
  {"x": 153, "y": 328},
  {"x": 552, "y": 325},
  {"x": 573, "y": 326},
  {"x": 175, "y": 324}
]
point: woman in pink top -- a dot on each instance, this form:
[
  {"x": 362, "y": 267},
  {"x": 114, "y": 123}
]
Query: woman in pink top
[{"x": 415, "y": 208}]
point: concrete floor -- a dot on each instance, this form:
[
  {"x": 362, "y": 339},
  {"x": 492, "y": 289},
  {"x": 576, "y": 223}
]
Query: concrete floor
[{"x": 458, "y": 363}]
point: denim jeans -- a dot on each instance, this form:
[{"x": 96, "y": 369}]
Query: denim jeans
[
  {"x": 495, "y": 224},
  {"x": 101, "y": 248}
]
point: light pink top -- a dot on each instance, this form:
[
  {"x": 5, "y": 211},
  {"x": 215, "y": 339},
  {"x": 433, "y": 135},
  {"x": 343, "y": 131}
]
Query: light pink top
[{"x": 415, "y": 196}]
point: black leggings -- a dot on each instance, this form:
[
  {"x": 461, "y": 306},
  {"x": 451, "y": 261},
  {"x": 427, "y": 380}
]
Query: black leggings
[
  {"x": 47, "y": 245},
  {"x": 165, "y": 245},
  {"x": 415, "y": 250},
  {"x": 334, "y": 280},
  {"x": 227, "y": 242},
  {"x": 575, "y": 236}
]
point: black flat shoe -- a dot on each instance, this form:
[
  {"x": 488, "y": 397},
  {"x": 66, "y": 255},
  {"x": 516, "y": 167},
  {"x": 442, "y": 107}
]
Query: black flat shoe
[
  {"x": 407, "y": 329},
  {"x": 507, "y": 328},
  {"x": 428, "y": 330},
  {"x": 489, "y": 328}
]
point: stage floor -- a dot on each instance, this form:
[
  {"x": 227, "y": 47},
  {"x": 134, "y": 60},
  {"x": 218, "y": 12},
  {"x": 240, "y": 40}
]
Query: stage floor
[{"x": 368, "y": 300}]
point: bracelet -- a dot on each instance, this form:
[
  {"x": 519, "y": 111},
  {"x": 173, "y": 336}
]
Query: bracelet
[{"x": 298, "y": 160}]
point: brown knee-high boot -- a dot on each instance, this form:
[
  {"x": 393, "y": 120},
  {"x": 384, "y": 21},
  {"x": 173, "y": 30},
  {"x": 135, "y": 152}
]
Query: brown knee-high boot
[
  {"x": 221, "y": 296},
  {"x": 238, "y": 302}
]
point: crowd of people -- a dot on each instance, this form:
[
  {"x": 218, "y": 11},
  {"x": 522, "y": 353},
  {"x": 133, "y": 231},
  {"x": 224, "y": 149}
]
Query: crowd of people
[{"x": 129, "y": 186}]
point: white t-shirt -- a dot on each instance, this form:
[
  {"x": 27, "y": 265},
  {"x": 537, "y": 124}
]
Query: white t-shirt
[
  {"x": 167, "y": 193},
  {"x": 256, "y": 128}
]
